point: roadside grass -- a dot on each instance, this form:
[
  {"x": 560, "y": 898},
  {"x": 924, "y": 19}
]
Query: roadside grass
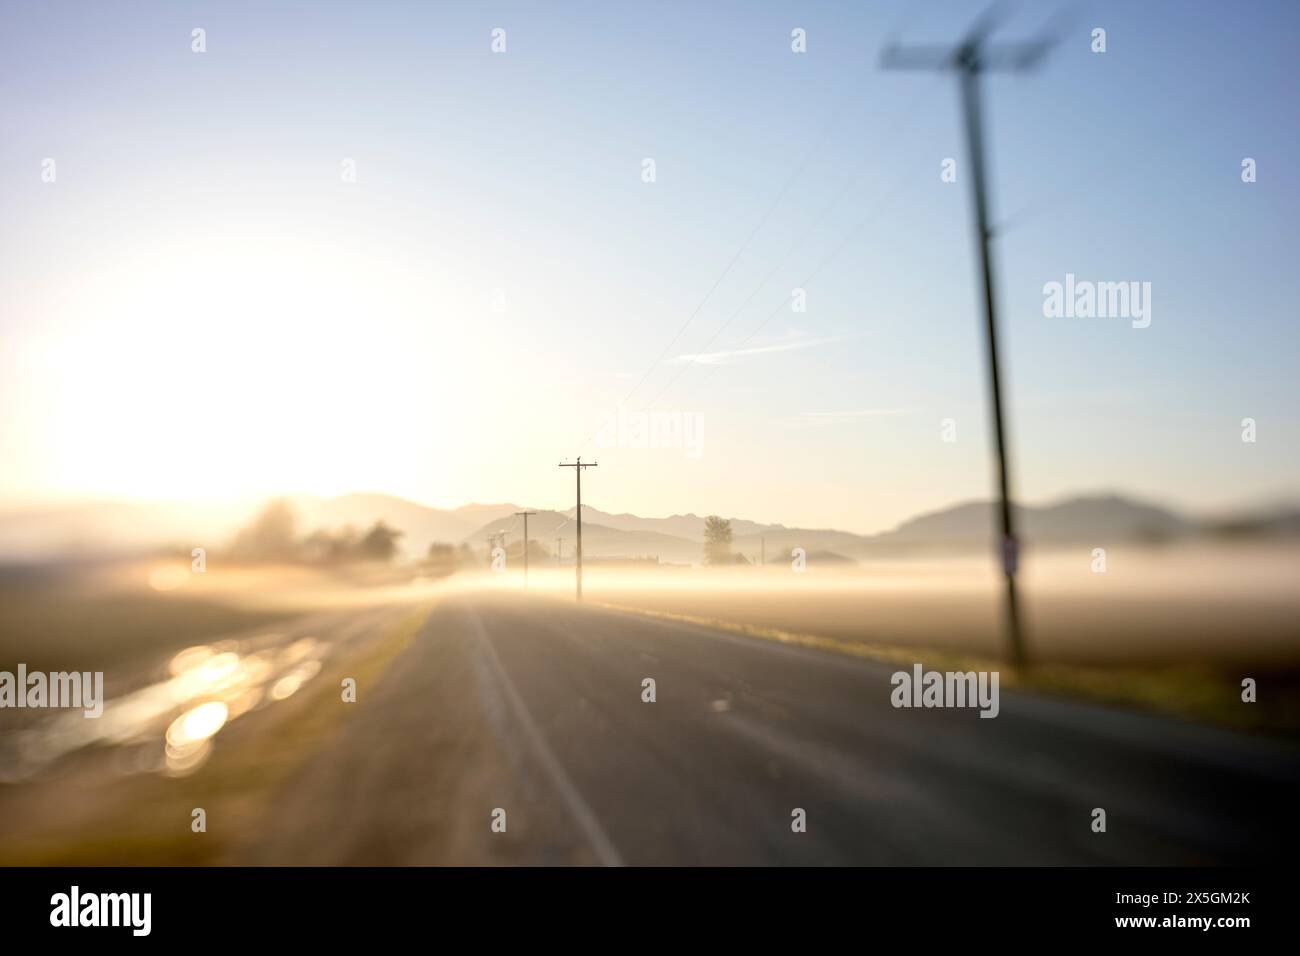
[
  {"x": 1196, "y": 693},
  {"x": 145, "y": 819},
  {"x": 54, "y": 628},
  {"x": 107, "y": 616}
]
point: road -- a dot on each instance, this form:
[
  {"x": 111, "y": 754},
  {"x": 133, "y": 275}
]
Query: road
[{"x": 534, "y": 707}]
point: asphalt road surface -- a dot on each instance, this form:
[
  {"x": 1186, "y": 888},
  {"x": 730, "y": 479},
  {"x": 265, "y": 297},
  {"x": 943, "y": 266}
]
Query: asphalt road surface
[{"x": 534, "y": 707}]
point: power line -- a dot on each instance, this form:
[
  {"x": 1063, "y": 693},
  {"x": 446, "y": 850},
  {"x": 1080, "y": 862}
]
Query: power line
[
  {"x": 901, "y": 123},
  {"x": 844, "y": 242},
  {"x": 1056, "y": 27},
  {"x": 785, "y": 188}
]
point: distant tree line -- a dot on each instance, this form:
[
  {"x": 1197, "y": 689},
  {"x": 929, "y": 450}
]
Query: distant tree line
[{"x": 273, "y": 536}]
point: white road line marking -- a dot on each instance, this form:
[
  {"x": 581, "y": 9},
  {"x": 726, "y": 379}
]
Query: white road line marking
[{"x": 606, "y": 853}]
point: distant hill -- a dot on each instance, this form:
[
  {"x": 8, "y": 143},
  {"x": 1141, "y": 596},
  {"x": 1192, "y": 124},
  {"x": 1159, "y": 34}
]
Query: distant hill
[
  {"x": 598, "y": 540},
  {"x": 778, "y": 543},
  {"x": 421, "y": 524},
  {"x": 1106, "y": 517},
  {"x": 477, "y": 514},
  {"x": 543, "y": 526},
  {"x": 1278, "y": 524},
  {"x": 107, "y": 528},
  {"x": 689, "y": 526},
  {"x": 961, "y": 527}
]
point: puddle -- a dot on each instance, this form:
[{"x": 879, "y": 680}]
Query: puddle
[{"x": 169, "y": 726}]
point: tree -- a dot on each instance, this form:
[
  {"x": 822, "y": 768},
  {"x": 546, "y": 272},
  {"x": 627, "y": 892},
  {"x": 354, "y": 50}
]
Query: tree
[
  {"x": 441, "y": 553},
  {"x": 537, "y": 552},
  {"x": 323, "y": 546},
  {"x": 440, "y": 558},
  {"x": 379, "y": 543},
  {"x": 272, "y": 535},
  {"x": 717, "y": 540}
]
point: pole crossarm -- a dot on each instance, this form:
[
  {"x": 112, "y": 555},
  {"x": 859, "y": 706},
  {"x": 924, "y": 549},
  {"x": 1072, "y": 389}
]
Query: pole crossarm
[{"x": 1002, "y": 58}]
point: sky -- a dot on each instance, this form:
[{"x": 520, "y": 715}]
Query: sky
[{"x": 201, "y": 306}]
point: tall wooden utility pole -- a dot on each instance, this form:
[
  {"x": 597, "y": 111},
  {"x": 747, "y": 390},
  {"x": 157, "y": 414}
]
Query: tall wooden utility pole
[
  {"x": 971, "y": 57},
  {"x": 577, "y": 467}
]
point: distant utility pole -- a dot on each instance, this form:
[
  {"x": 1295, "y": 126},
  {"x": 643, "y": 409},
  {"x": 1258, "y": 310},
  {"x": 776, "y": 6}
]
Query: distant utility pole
[
  {"x": 969, "y": 58},
  {"x": 577, "y": 467},
  {"x": 525, "y": 515},
  {"x": 494, "y": 540}
]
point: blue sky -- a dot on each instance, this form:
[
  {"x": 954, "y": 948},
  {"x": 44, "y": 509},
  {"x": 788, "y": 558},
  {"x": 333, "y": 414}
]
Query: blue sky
[{"x": 199, "y": 307}]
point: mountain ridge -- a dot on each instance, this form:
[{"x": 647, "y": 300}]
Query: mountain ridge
[{"x": 1106, "y": 517}]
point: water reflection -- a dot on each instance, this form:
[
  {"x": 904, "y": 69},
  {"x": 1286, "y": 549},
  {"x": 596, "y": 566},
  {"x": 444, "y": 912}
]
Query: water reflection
[{"x": 169, "y": 726}]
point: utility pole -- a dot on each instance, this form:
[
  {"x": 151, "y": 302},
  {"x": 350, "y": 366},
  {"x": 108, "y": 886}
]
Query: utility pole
[
  {"x": 525, "y": 515},
  {"x": 495, "y": 539},
  {"x": 971, "y": 57},
  {"x": 577, "y": 467}
]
